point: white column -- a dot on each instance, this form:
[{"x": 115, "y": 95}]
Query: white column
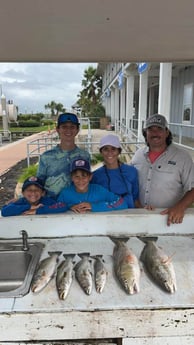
[
  {"x": 122, "y": 105},
  {"x": 165, "y": 90},
  {"x": 108, "y": 105},
  {"x": 117, "y": 114},
  {"x": 143, "y": 91},
  {"x": 151, "y": 101},
  {"x": 112, "y": 105},
  {"x": 129, "y": 100},
  {"x": 4, "y": 117}
]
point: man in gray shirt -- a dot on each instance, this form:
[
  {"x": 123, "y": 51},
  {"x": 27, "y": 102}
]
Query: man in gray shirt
[{"x": 166, "y": 172}]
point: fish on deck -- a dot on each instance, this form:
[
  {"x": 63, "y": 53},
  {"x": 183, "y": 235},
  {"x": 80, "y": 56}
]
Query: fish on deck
[
  {"x": 64, "y": 277},
  {"x": 100, "y": 273},
  {"x": 45, "y": 271},
  {"x": 126, "y": 266},
  {"x": 83, "y": 272},
  {"x": 158, "y": 264}
]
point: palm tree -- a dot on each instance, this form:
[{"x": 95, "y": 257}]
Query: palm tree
[
  {"x": 55, "y": 108},
  {"x": 89, "y": 97}
]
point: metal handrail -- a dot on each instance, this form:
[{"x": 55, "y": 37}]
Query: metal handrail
[{"x": 5, "y": 134}]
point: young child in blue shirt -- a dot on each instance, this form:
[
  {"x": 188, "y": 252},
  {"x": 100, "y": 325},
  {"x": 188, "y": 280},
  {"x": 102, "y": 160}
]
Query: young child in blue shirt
[
  {"x": 82, "y": 196},
  {"x": 33, "y": 201}
]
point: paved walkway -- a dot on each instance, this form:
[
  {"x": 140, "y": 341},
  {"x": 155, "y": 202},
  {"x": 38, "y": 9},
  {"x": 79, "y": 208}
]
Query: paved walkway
[{"x": 13, "y": 153}]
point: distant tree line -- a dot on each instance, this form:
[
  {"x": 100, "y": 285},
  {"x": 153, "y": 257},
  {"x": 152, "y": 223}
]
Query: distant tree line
[{"x": 88, "y": 104}]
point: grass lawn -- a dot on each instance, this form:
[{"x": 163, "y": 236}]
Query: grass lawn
[{"x": 29, "y": 129}]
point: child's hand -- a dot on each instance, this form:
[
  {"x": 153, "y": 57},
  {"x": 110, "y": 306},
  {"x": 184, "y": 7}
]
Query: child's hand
[
  {"x": 83, "y": 207},
  {"x": 29, "y": 212},
  {"x": 32, "y": 210}
]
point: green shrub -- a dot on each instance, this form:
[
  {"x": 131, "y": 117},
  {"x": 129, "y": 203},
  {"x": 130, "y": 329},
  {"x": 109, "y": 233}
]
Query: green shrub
[
  {"x": 96, "y": 158},
  {"x": 27, "y": 172},
  {"x": 29, "y": 123},
  {"x": 46, "y": 122},
  {"x": 13, "y": 124}
]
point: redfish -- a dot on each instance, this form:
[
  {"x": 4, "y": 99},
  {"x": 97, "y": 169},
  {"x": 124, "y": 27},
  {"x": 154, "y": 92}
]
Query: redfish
[
  {"x": 159, "y": 265},
  {"x": 126, "y": 266}
]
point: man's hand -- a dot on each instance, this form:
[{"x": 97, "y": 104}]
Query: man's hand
[{"x": 175, "y": 215}]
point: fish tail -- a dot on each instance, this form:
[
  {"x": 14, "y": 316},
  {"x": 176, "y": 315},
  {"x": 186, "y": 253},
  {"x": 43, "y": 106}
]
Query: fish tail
[
  {"x": 97, "y": 256},
  {"x": 118, "y": 239},
  {"x": 82, "y": 255},
  {"x": 71, "y": 256},
  {"x": 56, "y": 253},
  {"x": 146, "y": 239}
]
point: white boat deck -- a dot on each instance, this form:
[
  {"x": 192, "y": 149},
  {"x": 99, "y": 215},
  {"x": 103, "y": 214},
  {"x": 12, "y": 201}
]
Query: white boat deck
[{"x": 150, "y": 313}]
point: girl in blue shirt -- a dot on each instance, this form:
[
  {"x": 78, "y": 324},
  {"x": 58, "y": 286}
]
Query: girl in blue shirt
[{"x": 117, "y": 177}]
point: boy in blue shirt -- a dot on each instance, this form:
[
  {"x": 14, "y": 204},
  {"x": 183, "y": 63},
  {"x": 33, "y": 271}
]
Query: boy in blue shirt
[
  {"x": 82, "y": 196},
  {"x": 33, "y": 201}
]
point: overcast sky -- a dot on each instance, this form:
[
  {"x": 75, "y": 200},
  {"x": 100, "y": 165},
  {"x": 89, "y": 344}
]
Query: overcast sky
[{"x": 32, "y": 85}]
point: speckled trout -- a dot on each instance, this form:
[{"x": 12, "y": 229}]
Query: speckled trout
[
  {"x": 45, "y": 271},
  {"x": 100, "y": 273},
  {"x": 126, "y": 266},
  {"x": 64, "y": 276},
  {"x": 83, "y": 272},
  {"x": 159, "y": 265}
]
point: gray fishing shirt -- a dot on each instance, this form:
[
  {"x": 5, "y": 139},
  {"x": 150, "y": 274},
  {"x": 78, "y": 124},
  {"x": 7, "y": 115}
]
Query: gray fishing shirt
[{"x": 163, "y": 183}]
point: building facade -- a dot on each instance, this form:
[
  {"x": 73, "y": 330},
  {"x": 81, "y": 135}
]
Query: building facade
[{"x": 134, "y": 91}]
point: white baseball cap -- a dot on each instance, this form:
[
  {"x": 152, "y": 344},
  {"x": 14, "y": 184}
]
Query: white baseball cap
[{"x": 110, "y": 140}]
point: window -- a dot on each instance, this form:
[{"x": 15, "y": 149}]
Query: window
[{"x": 187, "y": 103}]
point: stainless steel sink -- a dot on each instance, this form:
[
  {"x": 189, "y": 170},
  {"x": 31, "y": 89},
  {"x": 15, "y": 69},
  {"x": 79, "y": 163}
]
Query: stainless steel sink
[{"x": 17, "y": 267}]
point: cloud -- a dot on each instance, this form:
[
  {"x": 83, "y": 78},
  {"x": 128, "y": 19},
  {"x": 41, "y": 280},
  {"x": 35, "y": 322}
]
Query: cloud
[{"x": 32, "y": 85}]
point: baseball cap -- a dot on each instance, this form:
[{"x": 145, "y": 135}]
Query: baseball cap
[
  {"x": 33, "y": 180},
  {"x": 81, "y": 164},
  {"x": 156, "y": 120},
  {"x": 111, "y": 140},
  {"x": 67, "y": 117}
]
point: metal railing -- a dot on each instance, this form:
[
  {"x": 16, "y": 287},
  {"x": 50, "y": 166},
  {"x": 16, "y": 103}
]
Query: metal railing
[
  {"x": 129, "y": 140},
  {"x": 177, "y": 130},
  {"x": 5, "y": 135},
  {"x": 36, "y": 147}
]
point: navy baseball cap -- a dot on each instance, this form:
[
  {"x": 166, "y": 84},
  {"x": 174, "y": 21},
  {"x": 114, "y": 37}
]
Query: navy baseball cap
[
  {"x": 81, "y": 164},
  {"x": 32, "y": 181},
  {"x": 67, "y": 117}
]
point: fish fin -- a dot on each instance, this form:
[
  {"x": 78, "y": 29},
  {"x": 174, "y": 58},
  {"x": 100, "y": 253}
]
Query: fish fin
[
  {"x": 129, "y": 258},
  {"x": 168, "y": 259},
  {"x": 118, "y": 239},
  {"x": 146, "y": 239}
]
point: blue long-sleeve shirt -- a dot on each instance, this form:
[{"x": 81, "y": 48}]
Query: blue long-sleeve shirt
[
  {"x": 21, "y": 205},
  {"x": 122, "y": 181},
  {"x": 100, "y": 199}
]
